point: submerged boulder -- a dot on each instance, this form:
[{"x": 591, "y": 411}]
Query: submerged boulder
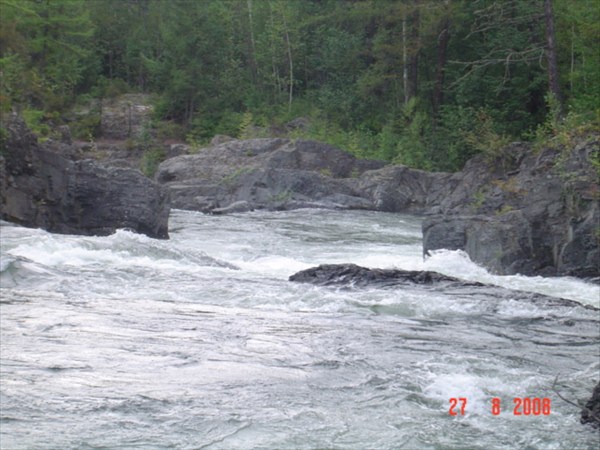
[
  {"x": 351, "y": 274},
  {"x": 42, "y": 188}
]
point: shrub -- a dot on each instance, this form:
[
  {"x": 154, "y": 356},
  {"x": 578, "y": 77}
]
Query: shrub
[
  {"x": 151, "y": 158},
  {"x": 86, "y": 126},
  {"x": 34, "y": 118},
  {"x": 485, "y": 139}
]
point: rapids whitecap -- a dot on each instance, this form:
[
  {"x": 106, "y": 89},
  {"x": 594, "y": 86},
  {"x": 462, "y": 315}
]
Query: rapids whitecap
[{"x": 201, "y": 342}]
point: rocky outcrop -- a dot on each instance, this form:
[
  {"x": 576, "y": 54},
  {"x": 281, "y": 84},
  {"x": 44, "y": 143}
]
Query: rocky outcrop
[
  {"x": 126, "y": 116},
  {"x": 278, "y": 173},
  {"x": 591, "y": 411},
  {"x": 42, "y": 188},
  {"x": 270, "y": 173},
  {"x": 503, "y": 244},
  {"x": 527, "y": 212},
  {"x": 398, "y": 188}
]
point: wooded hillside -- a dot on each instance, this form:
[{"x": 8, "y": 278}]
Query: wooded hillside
[{"x": 427, "y": 83}]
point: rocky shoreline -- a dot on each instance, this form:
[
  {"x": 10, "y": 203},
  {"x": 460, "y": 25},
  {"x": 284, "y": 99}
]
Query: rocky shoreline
[
  {"x": 528, "y": 212},
  {"x": 533, "y": 212}
]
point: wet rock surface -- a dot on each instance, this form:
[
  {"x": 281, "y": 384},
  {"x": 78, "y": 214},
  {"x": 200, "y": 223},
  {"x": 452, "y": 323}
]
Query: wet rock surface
[
  {"x": 354, "y": 276},
  {"x": 591, "y": 411},
  {"x": 43, "y": 188}
]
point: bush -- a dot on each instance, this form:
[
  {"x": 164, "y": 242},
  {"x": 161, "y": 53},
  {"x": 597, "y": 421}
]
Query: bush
[
  {"x": 484, "y": 138},
  {"x": 87, "y": 126},
  {"x": 168, "y": 129},
  {"x": 34, "y": 118},
  {"x": 110, "y": 88},
  {"x": 151, "y": 159},
  {"x": 558, "y": 131}
]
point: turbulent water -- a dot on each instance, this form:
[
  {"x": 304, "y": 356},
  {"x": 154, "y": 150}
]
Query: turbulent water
[{"x": 201, "y": 342}]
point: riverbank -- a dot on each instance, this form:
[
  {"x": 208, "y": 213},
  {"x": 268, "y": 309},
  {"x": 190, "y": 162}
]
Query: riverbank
[{"x": 526, "y": 210}]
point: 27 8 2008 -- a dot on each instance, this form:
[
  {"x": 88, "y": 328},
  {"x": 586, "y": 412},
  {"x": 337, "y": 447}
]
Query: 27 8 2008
[{"x": 522, "y": 406}]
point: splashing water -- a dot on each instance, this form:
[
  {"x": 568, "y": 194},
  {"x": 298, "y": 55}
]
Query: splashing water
[{"x": 201, "y": 342}]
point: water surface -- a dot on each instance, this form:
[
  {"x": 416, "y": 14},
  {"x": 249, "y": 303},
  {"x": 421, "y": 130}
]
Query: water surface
[{"x": 201, "y": 342}]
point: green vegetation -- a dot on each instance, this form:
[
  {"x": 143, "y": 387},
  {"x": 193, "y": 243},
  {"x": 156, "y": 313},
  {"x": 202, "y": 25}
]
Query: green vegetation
[
  {"x": 423, "y": 83},
  {"x": 151, "y": 158}
]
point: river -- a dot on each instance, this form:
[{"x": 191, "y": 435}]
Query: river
[{"x": 125, "y": 342}]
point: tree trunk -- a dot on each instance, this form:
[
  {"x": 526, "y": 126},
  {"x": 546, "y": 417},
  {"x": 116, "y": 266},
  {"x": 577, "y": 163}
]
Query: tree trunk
[
  {"x": 413, "y": 60},
  {"x": 276, "y": 79},
  {"x": 252, "y": 59},
  {"x": 553, "y": 79},
  {"x": 290, "y": 61},
  {"x": 404, "y": 61},
  {"x": 438, "y": 88}
]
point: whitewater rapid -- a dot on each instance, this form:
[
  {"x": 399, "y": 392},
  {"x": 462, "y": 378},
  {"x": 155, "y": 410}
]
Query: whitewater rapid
[{"x": 201, "y": 342}]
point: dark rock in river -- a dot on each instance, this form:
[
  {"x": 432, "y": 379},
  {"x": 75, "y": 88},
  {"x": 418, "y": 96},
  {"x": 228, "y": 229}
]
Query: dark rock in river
[
  {"x": 351, "y": 275},
  {"x": 41, "y": 188},
  {"x": 591, "y": 412}
]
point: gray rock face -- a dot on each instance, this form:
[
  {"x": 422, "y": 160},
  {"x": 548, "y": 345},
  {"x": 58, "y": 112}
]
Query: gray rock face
[
  {"x": 269, "y": 173},
  {"x": 278, "y": 173},
  {"x": 402, "y": 189},
  {"x": 125, "y": 116},
  {"x": 41, "y": 188},
  {"x": 528, "y": 213},
  {"x": 503, "y": 244}
]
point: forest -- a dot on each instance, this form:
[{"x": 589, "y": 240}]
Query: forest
[{"x": 426, "y": 83}]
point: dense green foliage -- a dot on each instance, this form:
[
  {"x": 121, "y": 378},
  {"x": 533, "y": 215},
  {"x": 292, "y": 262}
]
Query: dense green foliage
[{"x": 427, "y": 83}]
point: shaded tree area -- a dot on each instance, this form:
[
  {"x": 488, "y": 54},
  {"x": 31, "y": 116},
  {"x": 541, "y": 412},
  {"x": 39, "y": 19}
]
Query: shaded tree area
[{"x": 426, "y": 83}]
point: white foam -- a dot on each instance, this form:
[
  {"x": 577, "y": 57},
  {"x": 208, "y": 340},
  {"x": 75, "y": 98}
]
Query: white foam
[
  {"x": 458, "y": 264},
  {"x": 460, "y": 385},
  {"x": 66, "y": 251},
  {"x": 274, "y": 266}
]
